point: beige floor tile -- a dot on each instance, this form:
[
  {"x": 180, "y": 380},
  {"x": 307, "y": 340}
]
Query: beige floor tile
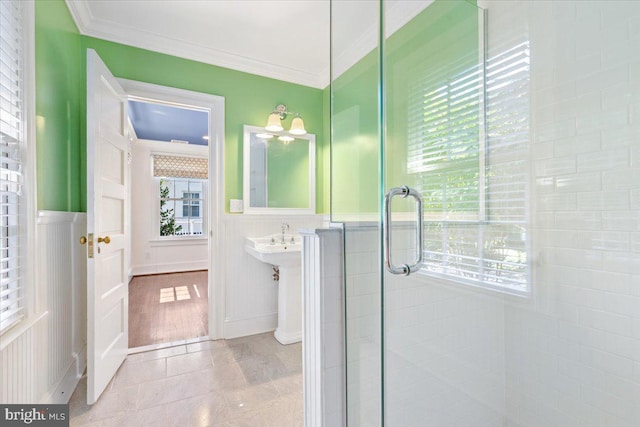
[
  {"x": 74, "y": 422},
  {"x": 251, "y": 381},
  {"x": 152, "y": 417},
  {"x": 207, "y": 410},
  {"x": 289, "y": 385},
  {"x": 262, "y": 368},
  {"x": 131, "y": 373},
  {"x": 282, "y": 413},
  {"x": 159, "y": 392},
  {"x": 251, "y": 397},
  {"x": 222, "y": 355},
  {"x": 189, "y": 362},
  {"x": 114, "y": 403},
  {"x": 79, "y": 411},
  {"x": 206, "y": 345}
]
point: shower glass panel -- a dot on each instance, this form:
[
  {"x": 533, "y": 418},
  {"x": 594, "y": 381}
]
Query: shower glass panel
[
  {"x": 443, "y": 346},
  {"x": 356, "y": 158},
  {"x": 519, "y": 124}
]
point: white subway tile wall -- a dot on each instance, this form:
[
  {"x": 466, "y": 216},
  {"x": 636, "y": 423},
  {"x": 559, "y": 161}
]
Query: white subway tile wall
[
  {"x": 572, "y": 351},
  {"x": 363, "y": 336}
]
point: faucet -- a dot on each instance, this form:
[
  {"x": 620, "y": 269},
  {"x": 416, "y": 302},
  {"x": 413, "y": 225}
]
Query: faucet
[{"x": 285, "y": 228}]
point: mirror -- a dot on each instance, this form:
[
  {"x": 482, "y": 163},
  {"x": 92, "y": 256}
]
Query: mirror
[{"x": 279, "y": 172}]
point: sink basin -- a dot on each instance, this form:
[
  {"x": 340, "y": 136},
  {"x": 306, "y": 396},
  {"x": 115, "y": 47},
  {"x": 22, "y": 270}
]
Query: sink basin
[
  {"x": 271, "y": 250},
  {"x": 287, "y": 257}
]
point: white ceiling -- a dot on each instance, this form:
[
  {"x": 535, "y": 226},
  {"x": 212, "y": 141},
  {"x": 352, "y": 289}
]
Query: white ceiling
[
  {"x": 286, "y": 40},
  {"x": 283, "y": 39}
]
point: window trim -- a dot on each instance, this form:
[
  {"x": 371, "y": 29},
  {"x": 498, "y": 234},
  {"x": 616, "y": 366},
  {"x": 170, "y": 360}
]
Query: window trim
[{"x": 28, "y": 205}]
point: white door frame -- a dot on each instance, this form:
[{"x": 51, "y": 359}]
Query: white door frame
[{"x": 215, "y": 105}]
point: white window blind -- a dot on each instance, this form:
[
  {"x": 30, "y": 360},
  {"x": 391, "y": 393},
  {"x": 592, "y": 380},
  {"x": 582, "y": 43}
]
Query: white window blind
[
  {"x": 12, "y": 144},
  {"x": 471, "y": 160},
  {"x": 444, "y": 147}
]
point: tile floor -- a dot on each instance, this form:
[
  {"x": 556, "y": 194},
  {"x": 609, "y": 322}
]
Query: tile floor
[
  {"x": 251, "y": 381},
  {"x": 167, "y": 307}
]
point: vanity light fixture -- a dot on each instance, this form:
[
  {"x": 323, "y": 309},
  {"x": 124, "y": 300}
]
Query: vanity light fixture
[
  {"x": 286, "y": 139},
  {"x": 279, "y": 113},
  {"x": 264, "y": 135}
]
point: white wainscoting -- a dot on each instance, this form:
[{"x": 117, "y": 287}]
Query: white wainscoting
[
  {"x": 251, "y": 295},
  {"x": 43, "y": 359}
]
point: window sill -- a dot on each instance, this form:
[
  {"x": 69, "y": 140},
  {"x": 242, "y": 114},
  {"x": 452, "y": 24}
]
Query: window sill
[{"x": 179, "y": 241}]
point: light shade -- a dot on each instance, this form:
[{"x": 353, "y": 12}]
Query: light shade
[
  {"x": 274, "y": 124},
  {"x": 297, "y": 127},
  {"x": 286, "y": 139}
]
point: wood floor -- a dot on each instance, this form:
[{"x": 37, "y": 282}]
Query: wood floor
[{"x": 167, "y": 307}]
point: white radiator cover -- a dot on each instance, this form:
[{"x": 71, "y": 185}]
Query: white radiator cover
[{"x": 43, "y": 359}]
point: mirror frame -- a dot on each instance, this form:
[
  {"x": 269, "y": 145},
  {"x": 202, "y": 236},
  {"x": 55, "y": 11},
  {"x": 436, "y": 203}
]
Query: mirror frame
[{"x": 246, "y": 175}]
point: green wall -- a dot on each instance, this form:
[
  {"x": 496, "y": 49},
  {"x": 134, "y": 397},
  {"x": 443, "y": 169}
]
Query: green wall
[
  {"x": 60, "y": 80},
  {"x": 60, "y": 100},
  {"x": 355, "y": 149},
  {"x": 444, "y": 35}
]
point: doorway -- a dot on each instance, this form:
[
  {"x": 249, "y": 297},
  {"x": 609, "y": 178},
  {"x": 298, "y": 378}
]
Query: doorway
[
  {"x": 168, "y": 290},
  {"x": 176, "y": 184}
]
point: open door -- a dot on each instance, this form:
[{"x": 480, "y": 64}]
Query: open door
[{"x": 107, "y": 208}]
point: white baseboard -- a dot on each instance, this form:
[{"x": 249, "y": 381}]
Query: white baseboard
[
  {"x": 252, "y": 326},
  {"x": 62, "y": 391},
  {"x": 175, "y": 267},
  {"x": 285, "y": 339}
]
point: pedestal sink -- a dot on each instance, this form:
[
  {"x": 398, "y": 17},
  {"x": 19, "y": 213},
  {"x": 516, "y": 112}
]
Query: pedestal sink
[{"x": 287, "y": 257}]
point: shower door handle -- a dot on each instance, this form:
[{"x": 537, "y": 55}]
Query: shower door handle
[{"x": 404, "y": 192}]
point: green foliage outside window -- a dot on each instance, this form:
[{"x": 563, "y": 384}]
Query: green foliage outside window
[{"x": 168, "y": 225}]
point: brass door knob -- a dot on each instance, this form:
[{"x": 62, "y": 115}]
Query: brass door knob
[
  {"x": 105, "y": 239},
  {"x": 83, "y": 240}
]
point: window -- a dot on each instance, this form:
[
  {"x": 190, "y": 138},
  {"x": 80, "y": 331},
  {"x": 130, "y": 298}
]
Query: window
[
  {"x": 182, "y": 183},
  {"x": 191, "y": 204},
  {"x": 16, "y": 38},
  {"x": 181, "y": 196},
  {"x": 445, "y": 143},
  {"x": 468, "y": 145}
]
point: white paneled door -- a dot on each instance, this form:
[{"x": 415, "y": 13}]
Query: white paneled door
[{"x": 107, "y": 288}]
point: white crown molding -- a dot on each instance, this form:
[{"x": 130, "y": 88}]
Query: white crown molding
[
  {"x": 397, "y": 14},
  {"x": 80, "y": 13},
  {"x": 400, "y": 12},
  {"x": 353, "y": 53},
  {"x": 90, "y": 26}
]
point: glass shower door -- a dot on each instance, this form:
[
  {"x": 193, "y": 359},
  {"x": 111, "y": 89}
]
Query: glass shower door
[
  {"x": 442, "y": 344},
  {"x": 517, "y": 123},
  {"x": 392, "y": 89}
]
